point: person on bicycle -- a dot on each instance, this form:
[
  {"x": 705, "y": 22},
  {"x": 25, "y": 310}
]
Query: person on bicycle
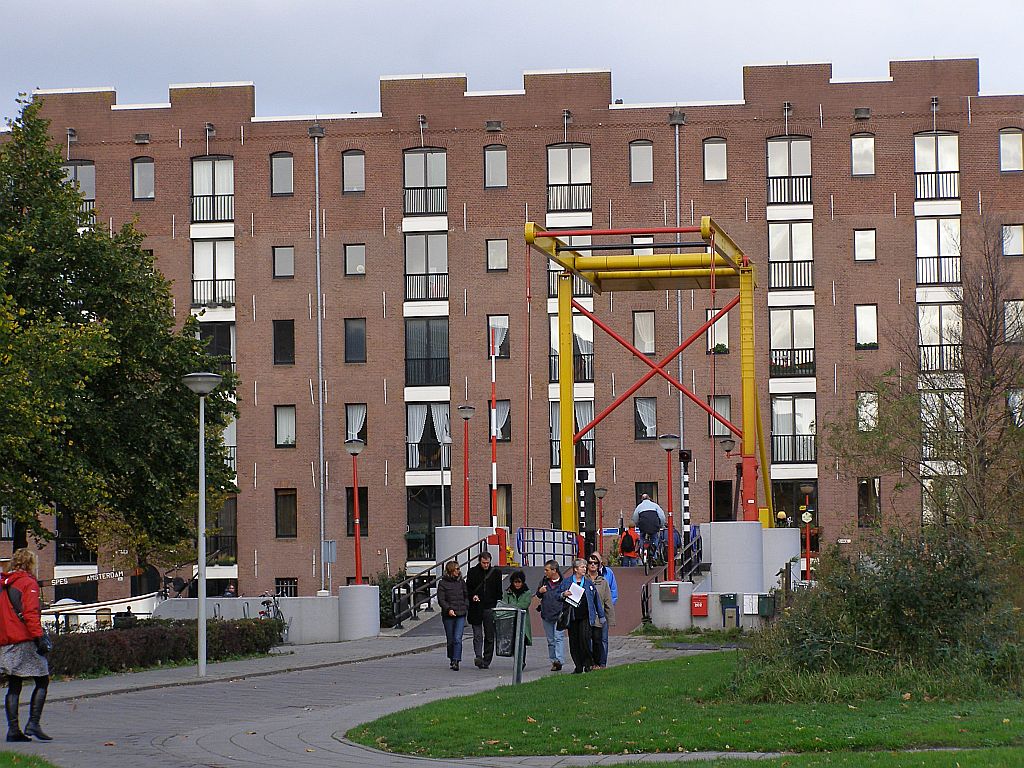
[{"x": 649, "y": 518}]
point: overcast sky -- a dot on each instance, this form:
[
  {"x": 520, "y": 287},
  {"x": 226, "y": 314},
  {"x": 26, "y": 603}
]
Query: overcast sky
[{"x": 318, "y": 56}]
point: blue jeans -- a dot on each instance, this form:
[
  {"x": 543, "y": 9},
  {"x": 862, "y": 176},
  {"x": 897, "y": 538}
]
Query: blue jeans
[
  {"x": 628, "y": 562},
  {"x": 453, "y": 629},
  {"x": 556, "y": 642}
]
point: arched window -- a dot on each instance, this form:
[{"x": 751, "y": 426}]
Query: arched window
[
  {"x": 143, "y": 178},
  {"x": 353, "y": 171},
  {"x": 281, "y": 174},
  {"x": 426, "y": 181},
  {"x": 495, "y": 165},
  {"x": 641, "y": 162},
  {"x": 716, "y": 167},
  {"x": 862, "y": 154},
  {"x": 1011, "y": 150}
]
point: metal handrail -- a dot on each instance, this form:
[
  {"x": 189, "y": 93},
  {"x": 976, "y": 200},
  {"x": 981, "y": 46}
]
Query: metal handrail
[
  {"x": 411, "y": 596},
  {"x": 690, "y": 559}
]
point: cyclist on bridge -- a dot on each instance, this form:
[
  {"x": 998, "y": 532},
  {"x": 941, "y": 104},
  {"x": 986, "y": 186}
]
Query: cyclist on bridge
[{"x": 649, "y": 517}]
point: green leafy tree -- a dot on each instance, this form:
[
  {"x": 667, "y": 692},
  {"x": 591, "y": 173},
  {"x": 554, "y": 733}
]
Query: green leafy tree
[{"x": 96, "y": 420}]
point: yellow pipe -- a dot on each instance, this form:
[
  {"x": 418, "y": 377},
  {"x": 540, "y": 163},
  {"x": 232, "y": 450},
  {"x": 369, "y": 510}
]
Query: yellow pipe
[
  {"x": 566, "y": 406},
  {"x": 693, "y": 273},
  {"x": 724, "y": 244},
  {"x": 749, "y": 389},
  {"x": 766, "y": 481},
  {"x": 647, "y": 261}
]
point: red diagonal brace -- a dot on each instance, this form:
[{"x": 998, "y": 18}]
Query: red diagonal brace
[{"x": 657, "y": 368}]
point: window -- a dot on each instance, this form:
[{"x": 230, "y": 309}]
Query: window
[
  {"x": 645, "y": 418},
  {"x": 862, "y": 154},
  {"x": 426, "y": 352},
  {"x": 281, "y": 182},
  {"x": 355, "y": 339},
  {"x": 866, "y": 326},
  {"x": 284, "y": 342},
  {"x": 504, "y": 505},
  {"x": 284, "y": 262},
  {"x": 650, "y": 489},
  {"x": 715, "y": 165},
  {"x": 938, "y": 251},
  {"x": 220, "y": 342},
  {"x": 642, "y": 240},
  {"x": 353, "y": 171},
  {"x": 495, "y": 166},
  {"x": 428, "y": 436},
  {"x": 582, "y": 349},
  {"x": 940, "y": 336},
  {"x": 1014, "y": 407},
  {"x": 1013, "y": 240},
  {"x": 350, "y": 512},
  {"x": 583, "y": 415},
  {"x": 789, "y": 170},
  {"x": 718, "y": 333},
  {"x": 503, "y": 419},
  {"x": 937, "y": 166},
  {"x": 793, "y": 429},
  {"x": 790, "y": 255},
  {"x": 355, "y": 421},
  {"x": 643, "y": 331},
  {"x": 213, "y": 272},
  {"x": 942, "y": 424},
  {"x": 1011, "y": 150},
  {"x": 497, "y": 336},
  {"x": 426, "y": 181},
  {"x": 939, "y": 499},
  {"x": 867, "y": 411},
  {"x": 6, "y": 524},
  {"x": 81, "y": 173},
  {"x": 284, "y": 426},
  {"x": 869, "y": 502},
  {"x": 1013, "y": 317},
  {"x": 143, "y": 178},
  {"x": 497, "y": 255},
  {"x": 213, "y": 189},
  {"x": 792, "y": 342},
  {"x": 569, "y": 177},
  {"x": 426, "y": 267},
  {"x": 641, "y": 162},
  {"x": 355, "y": 259},
  {"x": 863, "y": 245},
  {"x": 286, "y": 587},
  {"x": 722, "y": 405},
  {"x": 285, "y": 513}
]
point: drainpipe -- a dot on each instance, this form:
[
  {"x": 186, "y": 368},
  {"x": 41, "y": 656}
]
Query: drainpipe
[
  {"x": 677, "y": 118},
  {"x": 316, "y": 132}
]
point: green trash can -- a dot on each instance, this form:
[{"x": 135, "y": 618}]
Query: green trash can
[
  {"x": 728, "y": 600},
  {"x": 505, "y": 631},
  {"x": 766, "y": 606}
]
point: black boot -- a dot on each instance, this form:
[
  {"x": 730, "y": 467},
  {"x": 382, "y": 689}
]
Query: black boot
[
  {"x": 35, "y": 712},
  {"x": 13, "y": 729}
]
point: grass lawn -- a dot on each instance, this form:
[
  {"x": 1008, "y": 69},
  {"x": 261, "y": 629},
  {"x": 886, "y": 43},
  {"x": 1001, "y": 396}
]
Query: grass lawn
[
  {"x": 998, "y": 757},
  {"x": 18, "y": 760},
  {"x": 681, "y": 704}
]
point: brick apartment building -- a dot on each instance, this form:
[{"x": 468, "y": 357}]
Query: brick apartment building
[{"x": 848, "y": 196}]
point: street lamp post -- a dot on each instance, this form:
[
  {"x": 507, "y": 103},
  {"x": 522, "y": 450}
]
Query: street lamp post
[
  {"x": 355, "y": 446},
  {"x": 807, "y": 489},
  {"x": 466, "y": 411},
  {"x": 600, "y": 493},
  {"x": 202, "y": 384},
  {"x": 669, "y": 443}
]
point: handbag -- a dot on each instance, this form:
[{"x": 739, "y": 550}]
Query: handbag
[{"x": 563, "y": 617}]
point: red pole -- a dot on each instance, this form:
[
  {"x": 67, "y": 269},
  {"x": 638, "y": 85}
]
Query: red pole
[
  {"x": 600, "y": 526},
  {"x": 494, "y": 439},
  {"x": 671, "y": 528},
  {"x": 465, "y": 471},
  {"x": 355, "y": 495},
  {"x": 807, "y": 542}
]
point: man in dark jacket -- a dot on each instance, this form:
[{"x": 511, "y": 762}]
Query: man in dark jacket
[
  {"x": 484, "y": 586},
  {"x": 550, "y": 608}
]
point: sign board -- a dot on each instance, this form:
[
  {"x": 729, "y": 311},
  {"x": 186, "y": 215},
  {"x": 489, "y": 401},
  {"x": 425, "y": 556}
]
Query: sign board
[
  {"x": 807, "y": 517},
  {"x": 750, "y": 605},
  {"x": 609, "y": 531},
  {"x": 61, "y": 581},
  {"x": 845, "y": 541}
]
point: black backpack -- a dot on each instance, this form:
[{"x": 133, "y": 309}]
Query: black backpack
[{"x": 628, "y": 545}]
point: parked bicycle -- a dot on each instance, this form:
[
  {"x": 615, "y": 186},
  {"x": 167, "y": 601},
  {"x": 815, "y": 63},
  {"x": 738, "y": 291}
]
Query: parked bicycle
[{"x": 272, "y": 610}]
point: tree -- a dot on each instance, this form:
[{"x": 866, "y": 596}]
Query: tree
[{"x": 100, "y": 426}]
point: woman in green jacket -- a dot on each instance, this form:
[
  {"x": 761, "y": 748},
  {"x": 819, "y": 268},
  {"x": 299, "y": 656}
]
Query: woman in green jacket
[{"x": 518, "y": 595}]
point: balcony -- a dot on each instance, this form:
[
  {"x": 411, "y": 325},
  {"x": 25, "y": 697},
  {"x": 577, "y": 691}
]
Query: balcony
[
  {"x": 584, "y": 452},
  {"x": 794, "y": 275},
  {"x": 426, "y": 371},
  {"x": 88, "y": 207},
  {"x": 212, "y": 292},
  {"x": 788, "y": 190},
  {"x": 426, "y": 287},
  {"x": 226, "y": 547},
  {"x": 579, "y": 287},
  {"x": 564, "y": 198},
  {"x": 427, "y": 455},
  {"x": 794, "y": 449},
  {"x": 938, "y": 270},
  {"x": 582, "y": 368},
  {"x": 212, "y": 208},
  {"x": 938, "y": 185},
  {"x": 71, "y": 550},
  {"x": 426, "y": 201},
  {"x": 944, "y": 445},
  {"x": 941, "y": 357},
  {"x": 791, "y": 362}
]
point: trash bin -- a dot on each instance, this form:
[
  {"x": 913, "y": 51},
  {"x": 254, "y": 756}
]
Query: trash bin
[
  {"x": 728, "y": 600},
  {"x": 124, "y": 619},
  {"x": 766, "y": 606},
  {"x": 505, "y": 631}
]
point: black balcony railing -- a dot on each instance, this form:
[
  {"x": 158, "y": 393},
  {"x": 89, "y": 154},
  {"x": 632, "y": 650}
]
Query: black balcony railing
[
  {"x": 426, "y": 371},
  {"x": 941, "y": 357},
  {"x": 88, "y": 207},
  {"x": 792, "y": 362},
  {"x": 582, "y": 367},
  {"x": 938, "y": 185},
  {"x": 232, "y": 460},
  {"x": 426, "y": 455},
  {"x": 207, "y": 208},
  {"x": 206, "y": 292},
  {"x": 71, "y": 550},
  {"x": 425, "y": 287},
  {"x": 794, "y": 449},
  {"x": 226, "y": 547},
  {"x": 579, "y": 287},
  {"x": 583, "y": 451},
  {"x": 938, "y": 270},
  {"x": 791, "y": 274},
  {"x": 568, "y": 197},
  {"x": 785, "y": 190},
  {"x": 426, "y": 200}
]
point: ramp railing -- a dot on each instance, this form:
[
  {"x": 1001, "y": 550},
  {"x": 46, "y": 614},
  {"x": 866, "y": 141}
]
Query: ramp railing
[{"x": 415, "y": 594}]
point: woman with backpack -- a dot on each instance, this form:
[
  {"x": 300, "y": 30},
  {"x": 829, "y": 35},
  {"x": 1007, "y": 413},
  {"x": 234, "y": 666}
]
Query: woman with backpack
[
  {"x": 629, "y": 546},
  {"x": 23, "y": 645}
]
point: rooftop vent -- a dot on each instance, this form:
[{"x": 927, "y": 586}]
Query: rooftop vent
[{"x": 141, "y": 138}]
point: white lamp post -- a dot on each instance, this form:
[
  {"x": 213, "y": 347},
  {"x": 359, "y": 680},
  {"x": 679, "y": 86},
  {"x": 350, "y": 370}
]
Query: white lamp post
[{"x": 202, "y": 384}]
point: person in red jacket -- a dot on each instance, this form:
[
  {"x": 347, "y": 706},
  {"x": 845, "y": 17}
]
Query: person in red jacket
[{"x": 23, "y": 644}]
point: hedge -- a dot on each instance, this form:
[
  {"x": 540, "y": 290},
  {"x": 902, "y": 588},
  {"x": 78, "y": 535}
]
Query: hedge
[{"x": 155, "y": 642}]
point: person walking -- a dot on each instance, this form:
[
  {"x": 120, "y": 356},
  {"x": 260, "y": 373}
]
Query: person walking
[
  {"x": 484, "y": 586},
  {"x": 599, "y": 637},
  {"x": 584, "y": 615},
  {"x": 24, "y": 644},
  {"x": 453, "y": 600},
  {"x": 518, "y": 595},
  {"x": 550, "y": 608}
]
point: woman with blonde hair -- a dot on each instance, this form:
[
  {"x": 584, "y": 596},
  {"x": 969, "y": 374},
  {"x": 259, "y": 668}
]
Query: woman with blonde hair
[
  {"x": 23, "y": 644},
  {"x": 453, "y": 600}
]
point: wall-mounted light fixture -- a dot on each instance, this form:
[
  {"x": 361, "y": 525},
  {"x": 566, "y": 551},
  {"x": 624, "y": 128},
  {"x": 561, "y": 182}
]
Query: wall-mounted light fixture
[
  {"x": 676, "y": 117},
  {"x": 316, "y": 131}
]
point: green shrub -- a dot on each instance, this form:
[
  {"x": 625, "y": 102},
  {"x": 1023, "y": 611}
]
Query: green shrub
[
  {"x": 152, "y": 643},
  {"x": 385, "y": 581}
]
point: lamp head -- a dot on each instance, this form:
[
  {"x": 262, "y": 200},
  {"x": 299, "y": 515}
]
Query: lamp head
[
  {"x": 668, "y": 441},
  {"x": 354, "y": 446},
  {"x": 806, "y": 488},
  {"x": 202, "y": 383},
  {"x": 728, "y": 444},
  {"x": 466, "y": 411},
  {"x": 600, "y": 492}
]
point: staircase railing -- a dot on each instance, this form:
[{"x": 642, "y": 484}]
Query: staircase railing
[{"x": 413, "y": 595}]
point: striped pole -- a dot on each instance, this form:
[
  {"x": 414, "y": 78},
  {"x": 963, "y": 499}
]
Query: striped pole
[
  {"x": 494, "y": 439},
  {"x": 684, "y": 465}
]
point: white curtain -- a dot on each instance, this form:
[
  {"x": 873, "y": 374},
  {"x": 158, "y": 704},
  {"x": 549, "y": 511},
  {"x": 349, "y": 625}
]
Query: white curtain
[
  {"x": 502, "y": 410},
  {"x": 285, "y": 424},
  {"x": 553, "y": 421},
  {"x": 583, "y": 335},
  {"x": 647, "y": 410},
  {"x": 499, "y": 324},
  {"x": 584, "y": 410},
  {"x": 440, "y": 416},
  {"x": 643, "y": 328},
  {"x": 416, "y": 419},
  {"x": 356, "y": 418}
]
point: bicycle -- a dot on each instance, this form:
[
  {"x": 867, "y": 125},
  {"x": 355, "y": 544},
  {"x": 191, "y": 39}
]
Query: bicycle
[
  {"x": 650, "y": 554},
  {"x": 272, "y": 610}
]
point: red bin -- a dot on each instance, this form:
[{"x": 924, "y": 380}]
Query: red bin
[{"x": 698, "y": 605}]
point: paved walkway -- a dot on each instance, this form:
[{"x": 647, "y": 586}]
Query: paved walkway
[{"x": 291, "y": 709}]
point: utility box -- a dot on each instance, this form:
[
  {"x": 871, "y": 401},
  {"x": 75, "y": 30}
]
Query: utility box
[
  {"x": 728, "y": 600},
  {"x": 766, "y": 606},
  {"x": 698, "y": 605},
  {"x": 731, "y": 617},
  {"x": 668, "y": 593}
]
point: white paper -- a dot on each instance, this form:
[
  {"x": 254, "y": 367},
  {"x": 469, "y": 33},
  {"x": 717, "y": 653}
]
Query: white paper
[{"x": 575, "y": 593}]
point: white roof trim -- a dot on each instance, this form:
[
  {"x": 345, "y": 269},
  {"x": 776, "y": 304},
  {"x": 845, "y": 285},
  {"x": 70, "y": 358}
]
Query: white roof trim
[
  {"x": 305, "y": 118},
  {"x": 513, "y": 92},
  {"x": 790, "y": 64},
  {"x": 97, "y": 89},
  {"x": 987, "y": 93},
  {"x": 565, "y": 71},
  {"x": 661, "y": 105},
  {"x": 165, "y": 105},
  {"x": 236, "y": 84},
  {"x": 858, "y": 80},
  {"x": 439, "y": 76}
]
